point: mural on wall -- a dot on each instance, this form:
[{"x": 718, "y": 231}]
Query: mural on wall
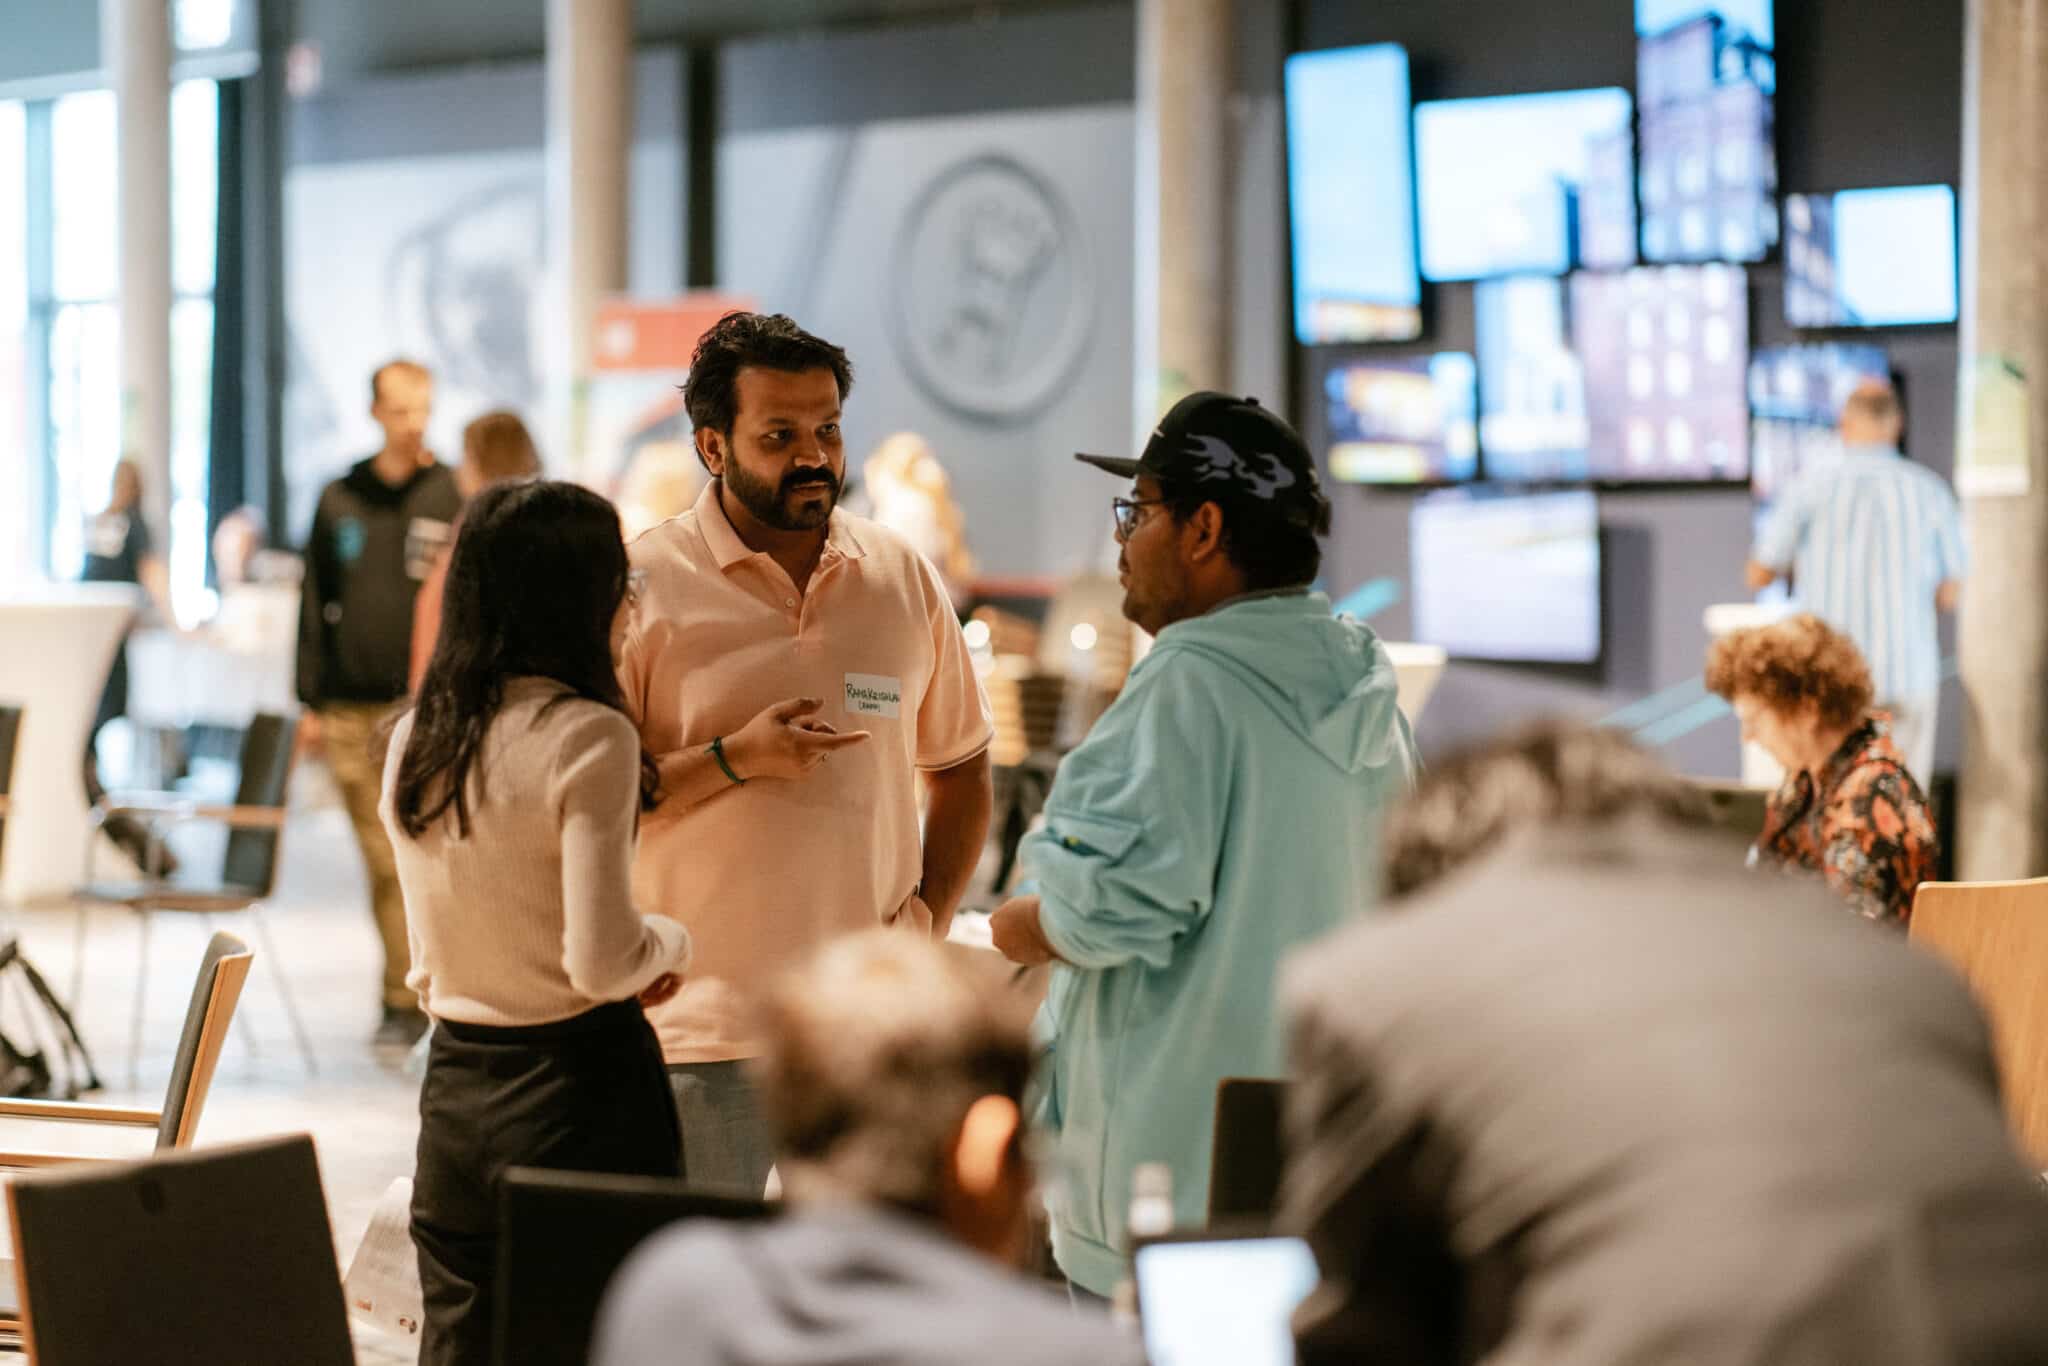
[
  {"x": 463, "y": 282},
  {"x": 992, "y": 287},
  {"x": 414, "y": 226},
  {"x": 975, "y": 268},
  {"x": 436, "y": 259}
]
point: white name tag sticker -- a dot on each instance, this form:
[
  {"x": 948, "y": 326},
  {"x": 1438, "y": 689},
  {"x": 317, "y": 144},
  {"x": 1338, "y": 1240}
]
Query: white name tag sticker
[{"x": 874, "y": 695}]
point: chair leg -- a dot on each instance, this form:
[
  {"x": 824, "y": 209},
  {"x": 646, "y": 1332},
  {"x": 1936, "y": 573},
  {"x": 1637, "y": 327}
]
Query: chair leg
[
  {"x": 78, "y": 957},
  {"x": 135, "y": 1020},
  {"x": 284, "y": 992}
]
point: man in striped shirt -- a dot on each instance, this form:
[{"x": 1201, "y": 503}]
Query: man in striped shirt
[{"x": 1873, "y": 544}]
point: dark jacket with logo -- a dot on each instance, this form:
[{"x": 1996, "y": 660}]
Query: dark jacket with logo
[{"x": 370, "y": 547}]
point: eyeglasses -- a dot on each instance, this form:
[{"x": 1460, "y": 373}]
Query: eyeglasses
[{"x": 1126, "y": 510}]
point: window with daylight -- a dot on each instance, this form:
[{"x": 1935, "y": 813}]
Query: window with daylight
[{"x": 60, "y": 332}]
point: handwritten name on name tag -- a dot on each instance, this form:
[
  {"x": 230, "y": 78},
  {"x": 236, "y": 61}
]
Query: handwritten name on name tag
[{"x": 874, "y": 695}]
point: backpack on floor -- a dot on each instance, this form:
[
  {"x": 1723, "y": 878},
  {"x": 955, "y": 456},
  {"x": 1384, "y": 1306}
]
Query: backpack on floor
[{"x": 41, "y": 1053}]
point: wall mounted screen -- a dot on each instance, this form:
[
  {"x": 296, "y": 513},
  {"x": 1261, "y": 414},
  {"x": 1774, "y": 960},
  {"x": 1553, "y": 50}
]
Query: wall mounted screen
[
  {"x": 1350, "y": 186},
  {"x": 1403, "y": 419},
  {"x": 1795, "y": 401},
  {"x": 1532, "y": 388},
  {"x": 1665, "y": 351},
  {"x": 1507, "y": 577},
  {"x": 1526, "y": 183},
  {"x": 1871, "y": 258},
  {"x": 1705, "y": 78}
]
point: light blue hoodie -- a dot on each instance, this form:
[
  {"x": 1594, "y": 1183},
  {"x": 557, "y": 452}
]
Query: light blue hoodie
[{"x": 1223, "y": 812}]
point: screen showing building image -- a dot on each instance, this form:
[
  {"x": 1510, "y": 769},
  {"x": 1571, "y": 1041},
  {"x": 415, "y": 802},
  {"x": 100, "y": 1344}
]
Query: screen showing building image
[
  {"x": 1750, "y": 17},
  {"x": 1532, "y": 388},
  {"x": 1665, "y": 351},
  {"x": 1507, "y": 577},
  {"x": 1795, "y": 402},
  {"x": 1705, "y": 80},
  {"x": 1403, "y": 419},
  {"x": 1871, "y": 258},
  {"x": 1526, "y": 183},
  {"x": 1350, "y": 185}
]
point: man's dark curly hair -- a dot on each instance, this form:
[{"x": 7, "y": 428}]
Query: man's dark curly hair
[{"x": 771, "y": 341}]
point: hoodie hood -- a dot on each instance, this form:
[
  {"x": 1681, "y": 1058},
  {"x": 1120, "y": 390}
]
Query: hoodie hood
[{"x": 1327, "y": 678}]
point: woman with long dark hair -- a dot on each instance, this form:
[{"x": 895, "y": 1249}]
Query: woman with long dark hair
[{"x": 512, "y": 791}]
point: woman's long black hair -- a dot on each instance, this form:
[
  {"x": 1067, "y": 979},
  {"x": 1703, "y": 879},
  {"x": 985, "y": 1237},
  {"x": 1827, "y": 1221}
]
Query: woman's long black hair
[{"x": 534, "y": 583}]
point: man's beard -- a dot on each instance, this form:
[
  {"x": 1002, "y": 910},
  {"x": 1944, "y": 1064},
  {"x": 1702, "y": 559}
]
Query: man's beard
[{"x": 767, "y": 503}]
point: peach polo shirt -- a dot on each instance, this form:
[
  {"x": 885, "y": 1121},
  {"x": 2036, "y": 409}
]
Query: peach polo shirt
[{"x": 761, "y": 874}]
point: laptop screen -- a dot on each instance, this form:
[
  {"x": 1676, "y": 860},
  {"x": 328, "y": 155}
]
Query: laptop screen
[{"x": 1222, "y": 1301}]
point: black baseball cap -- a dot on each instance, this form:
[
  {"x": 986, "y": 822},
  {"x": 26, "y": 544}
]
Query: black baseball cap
[{"x": 1231, "y": 447}]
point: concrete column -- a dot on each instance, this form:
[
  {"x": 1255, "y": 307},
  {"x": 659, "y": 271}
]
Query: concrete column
[
  {"x": 590, "y": 135},
  {"x": 2004, "y": 632},
  {"x": 135, "y": 42},
  {"x": 1186, "y": 214}
]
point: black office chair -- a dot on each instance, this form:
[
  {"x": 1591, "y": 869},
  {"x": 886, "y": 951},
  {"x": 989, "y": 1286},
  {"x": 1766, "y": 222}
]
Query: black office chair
[
  {"x": 562, "y": 1236},
  {"x": 248, "y": 870},
  {"x": 219, "y": 1257},
  {"x": 1244, "y": 1177}
]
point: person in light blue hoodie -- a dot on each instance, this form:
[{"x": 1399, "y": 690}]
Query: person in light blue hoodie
[{"x": 1224, "y": 811}]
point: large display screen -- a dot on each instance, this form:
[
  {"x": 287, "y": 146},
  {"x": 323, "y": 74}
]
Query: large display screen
[
  {"x": 1665, "y": 351},
  {"x": 1403, "y": 419},
  {"x": 1795, "y": 401},
  {"x": 1705, "y": 77},
  {"x": 1532, "y": 388},
  {"x": 1350, "y": 187},
  {"x": 1526, "y": 183},
  {"x": 1507, "y": 577},
  {"x": 1871, "y": 258}
]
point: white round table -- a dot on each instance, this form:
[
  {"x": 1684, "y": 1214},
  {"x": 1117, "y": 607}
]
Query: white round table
[{"x": 56, "y": 644}]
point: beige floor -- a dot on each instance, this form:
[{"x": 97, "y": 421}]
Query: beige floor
[{"x": 359, "y": 1107}]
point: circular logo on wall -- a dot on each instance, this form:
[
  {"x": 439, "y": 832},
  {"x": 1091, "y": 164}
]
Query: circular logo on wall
[{"x": 994, "y": 297}]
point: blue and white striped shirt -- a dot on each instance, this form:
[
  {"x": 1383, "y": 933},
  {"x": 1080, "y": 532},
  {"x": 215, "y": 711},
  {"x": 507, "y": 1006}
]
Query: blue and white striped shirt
[{"x": 1868, "y": 538}]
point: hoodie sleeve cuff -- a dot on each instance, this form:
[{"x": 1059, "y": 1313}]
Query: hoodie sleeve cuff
[{"x": 1065, "y": 928}]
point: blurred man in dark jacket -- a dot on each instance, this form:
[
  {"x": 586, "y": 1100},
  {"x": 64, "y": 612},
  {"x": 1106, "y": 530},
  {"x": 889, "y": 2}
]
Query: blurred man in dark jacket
[{"x": 377, "y": 533}]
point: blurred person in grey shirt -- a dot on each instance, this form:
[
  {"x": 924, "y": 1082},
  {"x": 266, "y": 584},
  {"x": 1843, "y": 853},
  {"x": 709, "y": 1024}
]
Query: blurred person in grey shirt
[
  {"x": 893, "y": 1080},
  {"x": 1589, "y": 1092}
]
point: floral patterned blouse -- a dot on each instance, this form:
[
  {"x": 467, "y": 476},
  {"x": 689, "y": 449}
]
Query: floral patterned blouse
[{"x": 1865, "y": 826}]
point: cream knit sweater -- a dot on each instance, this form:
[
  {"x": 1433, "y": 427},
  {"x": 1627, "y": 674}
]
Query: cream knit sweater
[{"x": 530, "y": 918}]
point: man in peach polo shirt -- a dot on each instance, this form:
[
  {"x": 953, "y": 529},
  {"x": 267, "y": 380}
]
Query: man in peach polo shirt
[{"x": 793, "y": 669}]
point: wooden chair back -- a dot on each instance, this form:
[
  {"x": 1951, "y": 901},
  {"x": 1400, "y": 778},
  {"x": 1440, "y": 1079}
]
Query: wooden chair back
[
  {"x": 1996, "y": 935},
  {"x": 222, "y": 972}
]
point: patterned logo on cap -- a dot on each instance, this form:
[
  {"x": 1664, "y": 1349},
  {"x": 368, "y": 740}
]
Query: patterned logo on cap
[{"x": 1264, "y": 476}]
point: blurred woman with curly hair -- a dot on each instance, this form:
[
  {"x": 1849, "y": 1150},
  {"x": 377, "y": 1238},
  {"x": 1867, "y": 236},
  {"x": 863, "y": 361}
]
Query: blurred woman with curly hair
[{"x": 1848, "y": 809}]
